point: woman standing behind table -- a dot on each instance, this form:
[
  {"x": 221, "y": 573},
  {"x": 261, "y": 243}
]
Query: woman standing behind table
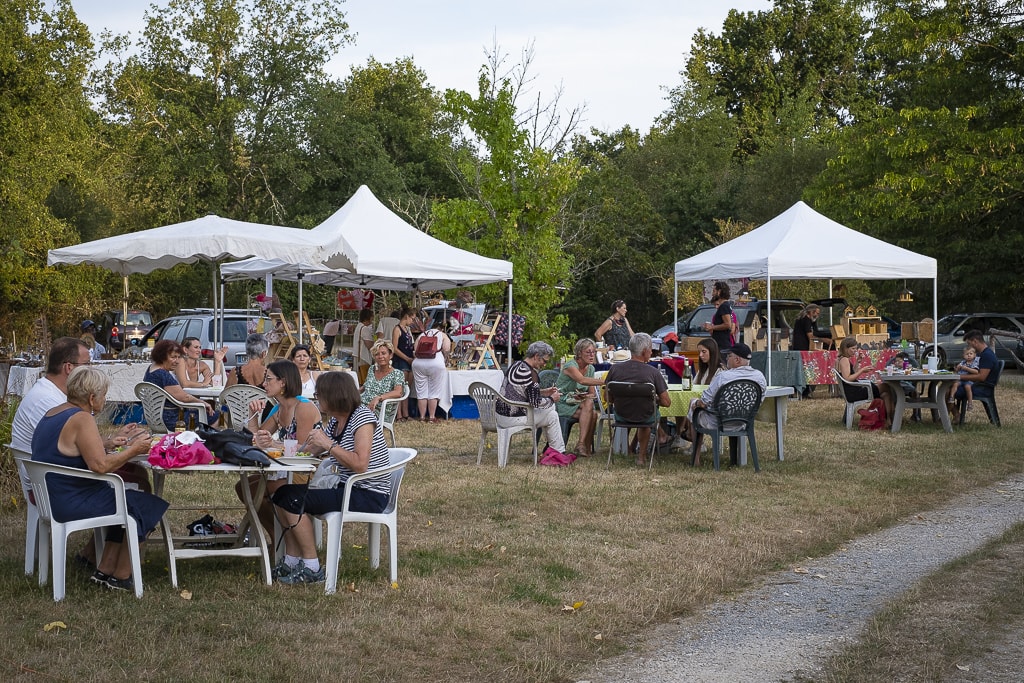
[
  {"x": 430, "y": 374},
  {"x": 300, "y": 356},
  {"x": 166, "y": 356},
  {"x": 68, "y": 436},
  {"x": 382, "y": 381},
  {"x": 576, "y": 378},
  {"x": 356, "y": 443},
  {"x": 615, "y": 331},
  {"x": 522, "y": 384},
  {"x": 845, "y": 366},
  {"x": 254, "y": 371},
  {"x": 404, "y": 347},
  {"x": 294, "y": 417},
  {"x": 194, "y": 372}
]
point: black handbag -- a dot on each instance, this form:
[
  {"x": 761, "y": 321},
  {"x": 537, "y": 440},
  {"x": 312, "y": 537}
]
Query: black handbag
[{"x": 234, "y": 447}]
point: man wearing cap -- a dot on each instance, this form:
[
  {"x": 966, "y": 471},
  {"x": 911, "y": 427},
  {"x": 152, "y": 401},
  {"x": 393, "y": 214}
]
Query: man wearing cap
[
  {"x": 737, "y": 367},
  {"x": 96, "y": 350}
]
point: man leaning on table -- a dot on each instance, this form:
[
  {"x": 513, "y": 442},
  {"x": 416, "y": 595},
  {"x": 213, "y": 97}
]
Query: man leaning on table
[
  {"x": 636, "y": 369},
  {"x": 737, "y": 367}
]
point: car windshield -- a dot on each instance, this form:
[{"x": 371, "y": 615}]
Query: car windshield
[
  {"x": 697, "y": 320},
  {"x": 949, "y": 323},
  {"x": 139, "y": 318}
]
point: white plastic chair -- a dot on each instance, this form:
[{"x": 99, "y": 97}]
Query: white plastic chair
[
  {"x": 399, "y": 458},
  {"x": 604, "y": 415},
  {"x": 154, "y": 398},
  {"x": 237, "y": 398},
  {"x": 32, "y": 516},
  {"x": 390, "y": 405},
  {"x": 851, "y": 404},
  {"x": 57, "y": 533},
  {"x": 486, "y": 398}
]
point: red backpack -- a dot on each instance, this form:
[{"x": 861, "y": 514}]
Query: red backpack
[{"x": 427, "y": 346}]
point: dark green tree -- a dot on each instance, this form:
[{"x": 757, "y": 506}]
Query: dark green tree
[{"x": 934, "y": 162}]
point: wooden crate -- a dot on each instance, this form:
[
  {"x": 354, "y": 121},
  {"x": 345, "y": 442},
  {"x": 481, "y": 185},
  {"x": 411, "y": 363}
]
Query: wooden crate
[
  {"x": 908, "y": 331},
  {"x": 688, "y": 344},
  {"x": 926, "y": 329},
  {"x": 872, "y": 339}
]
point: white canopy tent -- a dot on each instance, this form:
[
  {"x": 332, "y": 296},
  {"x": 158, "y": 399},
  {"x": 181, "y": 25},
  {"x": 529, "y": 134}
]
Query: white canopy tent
[
  {"x": 368, "y": 245},
  {"x": 209, "y": 239},
  {"x": 801, "y": 244}
]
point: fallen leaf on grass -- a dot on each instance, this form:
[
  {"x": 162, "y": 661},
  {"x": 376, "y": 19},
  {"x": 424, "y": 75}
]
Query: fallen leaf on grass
[
  {"x": 598, "y": 637},
  {"x": 963, "y": 668},
  {"x": 801, "y": 570},
  {"x": 503, "y": 548},
  {"x": 186, "y": 594},
  {"x": 798, "y": 531},
  {"x": 357, "y": 546},
  {"x": 819, "y": 576},
  {"x": 351, "y": 587},
  {"x": 54, "y": 625},
  {"x": 574, "y": 606},
  {"x": 394, "y": 585},
  {"x": 429, "y": 523}
]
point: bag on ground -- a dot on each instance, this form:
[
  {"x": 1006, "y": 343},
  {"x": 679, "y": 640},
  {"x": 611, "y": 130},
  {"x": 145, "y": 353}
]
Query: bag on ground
[
  {"x": 873, "y": 417},
  {"x": 553, "y": 458}
]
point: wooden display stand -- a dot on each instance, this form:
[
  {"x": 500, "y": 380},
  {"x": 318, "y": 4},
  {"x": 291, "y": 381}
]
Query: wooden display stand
[
  {"x": 865, "y": 326},
  {"x": 483, "y": 342},
  {"x": 313, "y": 340},
  {"x": 286, "y": 337}
]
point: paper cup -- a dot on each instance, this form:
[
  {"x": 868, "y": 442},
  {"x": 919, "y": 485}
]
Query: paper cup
[{"x": 291, "y": 447}]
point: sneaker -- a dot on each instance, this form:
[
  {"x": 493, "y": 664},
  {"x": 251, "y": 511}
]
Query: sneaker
[
  {"x": 111, "y": 582},
  {"x": 281, "y": 570},
  {"x": 304, "y": 574}
]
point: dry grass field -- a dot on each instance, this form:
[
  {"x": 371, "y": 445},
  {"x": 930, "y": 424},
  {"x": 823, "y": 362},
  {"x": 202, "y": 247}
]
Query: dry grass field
[{"x": 491, "y": 561}]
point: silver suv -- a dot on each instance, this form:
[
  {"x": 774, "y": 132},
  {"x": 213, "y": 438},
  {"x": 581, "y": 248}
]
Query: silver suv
[
  {"x": 952, "y": 328},
  {"x": 199, "y": 322}
]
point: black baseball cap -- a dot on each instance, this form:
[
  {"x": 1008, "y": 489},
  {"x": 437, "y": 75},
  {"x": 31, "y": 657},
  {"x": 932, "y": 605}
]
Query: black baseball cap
[{"x": 741, "y": 350}]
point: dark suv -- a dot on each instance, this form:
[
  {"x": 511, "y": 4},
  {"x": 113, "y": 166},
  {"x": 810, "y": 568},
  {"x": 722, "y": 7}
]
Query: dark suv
[
  {"x": 117, "y": 333},
  {"x": 784, "y": 312}
]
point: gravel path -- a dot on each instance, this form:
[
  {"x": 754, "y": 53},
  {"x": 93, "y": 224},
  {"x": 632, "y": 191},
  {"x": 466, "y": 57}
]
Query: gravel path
[{"x": 796, "y": 620}]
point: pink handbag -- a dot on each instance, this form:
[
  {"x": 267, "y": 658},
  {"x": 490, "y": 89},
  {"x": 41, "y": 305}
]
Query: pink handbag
[
  {"x": 179, "y": 449},
  {"x": 554, "y": 458}
]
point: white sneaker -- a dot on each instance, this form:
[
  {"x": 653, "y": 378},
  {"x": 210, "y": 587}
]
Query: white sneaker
[{"x": 679, "y": 442}]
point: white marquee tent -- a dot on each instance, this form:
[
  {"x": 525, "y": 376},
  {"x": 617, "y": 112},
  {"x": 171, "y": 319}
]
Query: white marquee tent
[
  {"x": 801, "y": 244},
  {"x": 368, "y": 245}
]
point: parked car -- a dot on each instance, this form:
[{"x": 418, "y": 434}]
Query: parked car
[
  {"x": 784, "y": 312},
  {"x": 199, "y": 322},
  {"x": 117, "y": 333},
  {"x": 951, "y": 330}
]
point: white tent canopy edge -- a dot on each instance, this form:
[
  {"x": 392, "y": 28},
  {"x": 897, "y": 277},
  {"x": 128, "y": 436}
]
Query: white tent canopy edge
[{"x": 802, "y": 244}]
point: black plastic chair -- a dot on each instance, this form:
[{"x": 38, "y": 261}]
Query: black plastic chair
[
  {"x": 639, "y": 391},
  {"x": 988, "y": 401},
  {"x": 735, "y": 407}
]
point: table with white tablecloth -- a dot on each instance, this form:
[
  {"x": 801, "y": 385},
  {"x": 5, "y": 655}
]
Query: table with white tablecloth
[
  {"x": 458, "y": 385},
  {"x": 123, "y": 378}
]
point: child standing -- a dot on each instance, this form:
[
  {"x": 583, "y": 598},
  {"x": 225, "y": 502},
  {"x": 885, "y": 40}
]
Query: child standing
[{"x": 968, "y": 365}]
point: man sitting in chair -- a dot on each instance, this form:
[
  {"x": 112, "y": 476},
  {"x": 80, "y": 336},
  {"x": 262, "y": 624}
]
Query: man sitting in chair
[
  {"x": 987, "y": 363},
  {"x": 737, "y": 367},
  {"x": 637, "y": 370}
]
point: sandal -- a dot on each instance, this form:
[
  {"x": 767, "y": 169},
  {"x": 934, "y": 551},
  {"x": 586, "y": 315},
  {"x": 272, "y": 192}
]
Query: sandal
[{"x": 433, "y": 420}]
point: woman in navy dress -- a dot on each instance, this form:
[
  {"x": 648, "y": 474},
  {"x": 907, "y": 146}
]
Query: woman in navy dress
[
  {"x": 67, "y": 435},
  {"x": 166, "y": 355}
]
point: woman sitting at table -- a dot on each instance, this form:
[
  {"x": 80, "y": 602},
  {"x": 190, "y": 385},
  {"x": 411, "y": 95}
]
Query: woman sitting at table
[
  {"x": 576, "y": 385},
  {"x": 300, "y": 356},
  {"x": 294, "y": 417},
  {"x": 382, "y": 381},
  {"x": 67, "y": 435},
  {"x": 846, "y": 365},
  {"x": 522, "y": 384},
  {"x": 355, "y": 442},
  {"x": 254, "y": 370},
  {"x": 709, "y": 362},
  {"x": 192, "y": 372},
  {"x": 166, "y": 356}
]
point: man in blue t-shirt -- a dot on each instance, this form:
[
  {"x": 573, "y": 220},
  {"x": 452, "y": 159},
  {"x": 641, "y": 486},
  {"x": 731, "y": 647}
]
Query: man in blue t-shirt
[{"x": 985, "y": 376}]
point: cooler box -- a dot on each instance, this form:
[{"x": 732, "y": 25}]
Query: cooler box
[{"x": 463, "y": 408}]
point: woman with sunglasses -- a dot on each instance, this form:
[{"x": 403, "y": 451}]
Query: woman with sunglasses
[
  {"x": 192, "y": 371},
  {"x": 294, "y": 417},
  {"x": 301, "y": 357}
]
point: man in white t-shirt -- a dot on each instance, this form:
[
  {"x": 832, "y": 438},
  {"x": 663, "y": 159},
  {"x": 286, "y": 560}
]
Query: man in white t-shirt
[
  {"x": 386, "y": 326},
  {"x": 66, "y": 354}
]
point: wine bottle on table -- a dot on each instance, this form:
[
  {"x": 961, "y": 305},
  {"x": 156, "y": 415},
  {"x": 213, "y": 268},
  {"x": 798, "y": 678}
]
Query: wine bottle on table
[{"x": 179, "y": 426}]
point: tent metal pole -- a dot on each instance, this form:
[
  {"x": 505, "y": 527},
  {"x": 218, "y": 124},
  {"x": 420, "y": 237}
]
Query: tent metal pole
[
  {"x": 830, "y": 307},
  {"x": 301, "y": 320},
  {"x": 935, "y": 314},
  {"x": 768, "y": 333},
  {"x": 213, "y": 277},
  {"x": 220, "y": 319},
  {"x": 675, "y": 309},
  {"x": 508, "y": 326}
]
